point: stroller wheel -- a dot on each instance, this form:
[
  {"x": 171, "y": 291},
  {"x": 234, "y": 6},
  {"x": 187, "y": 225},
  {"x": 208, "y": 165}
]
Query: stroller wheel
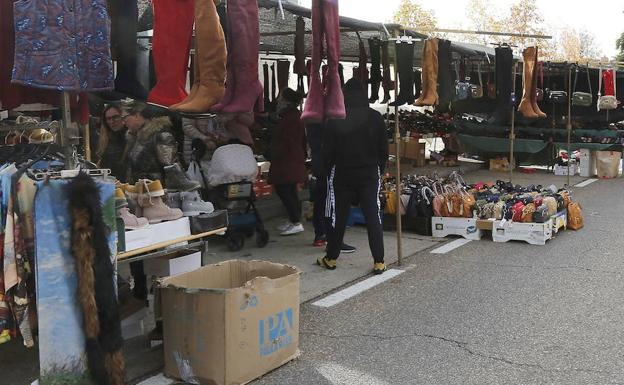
[
  {"x": 262, "y": 238},
  {"x": 235, "y": 241}
]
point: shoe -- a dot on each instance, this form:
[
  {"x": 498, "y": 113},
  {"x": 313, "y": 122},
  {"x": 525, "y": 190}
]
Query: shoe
[
  {"x": 174, "y": 200},
  {"x": 525, "y": 107},
  {"x": 379, "y": 268},
  {"x": 131, "y": 221},
  {"x": 176, "y": 179},
  {"x": 347, "y": 249},
  {"x": 293, "y": 229},
  {"x": 120, "y": 199},
  {"x": 193, "y": 205},
  {"x": 329, "y": 264},
  {"x": 320, "y": 242},
  {"x": 429, "y": 93},
  {"x": 283, "y": 227},
  {"x": 158, "y": 211}
]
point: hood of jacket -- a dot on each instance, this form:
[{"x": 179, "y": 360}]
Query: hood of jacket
[{"x": 152, "y": 127}]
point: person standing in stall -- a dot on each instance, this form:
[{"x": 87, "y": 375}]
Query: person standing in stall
[
  {"x": 355, "y": 153},
  {"x": 288, "y": 156},
  {"x": 112, "y": 142}
]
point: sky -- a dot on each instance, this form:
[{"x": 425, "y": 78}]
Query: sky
[{"x": 604, "y": 18}]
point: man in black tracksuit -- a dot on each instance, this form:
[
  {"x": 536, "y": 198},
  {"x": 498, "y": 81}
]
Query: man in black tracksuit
[{"x": 355, "y": 153}]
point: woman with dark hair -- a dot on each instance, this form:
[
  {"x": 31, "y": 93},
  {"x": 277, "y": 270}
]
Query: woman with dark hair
[
  {"x": 355, "y": 153},
  {"x": 288, "y": 156},
  {"x": 112, "y": 142}
]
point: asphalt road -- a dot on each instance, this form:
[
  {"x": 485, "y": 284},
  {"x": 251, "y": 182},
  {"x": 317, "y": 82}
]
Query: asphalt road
[{"x": 484, "y": 313}]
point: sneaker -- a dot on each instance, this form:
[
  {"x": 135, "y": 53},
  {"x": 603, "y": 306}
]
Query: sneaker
[
  {"x": 379, "y": 268},
  {"x": 329, "y": 264},
  {"x": 193, "y": 205},
  {"x": 347, "y": 249},
  {"x": 283, "y": 227},
  {"x": 293, "y": 229},
  {"x": 320, "y": 242}
]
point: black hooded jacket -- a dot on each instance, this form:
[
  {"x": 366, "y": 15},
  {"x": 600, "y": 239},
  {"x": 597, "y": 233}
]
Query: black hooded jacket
[{"x": 358, "y": 143}]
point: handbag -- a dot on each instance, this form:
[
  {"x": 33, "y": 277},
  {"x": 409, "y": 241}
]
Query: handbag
[
  {"x": 557, "y": 97},
  {"x": 468, "y": 203},
  {"x": 439, "y": 203},
  {"x": 477, "y": 90},
  {"x": 575, "y": 216},
  {"x": 583, "y": 99},
  {"x": 527, "y": 213},
  {"x": 551, "y": 203},
  {"x": 541, "y": 214},
  {"x": 517, "y": 210},
  {"x": 606, "y": 102},
  {"x": 462, "y": 89}
]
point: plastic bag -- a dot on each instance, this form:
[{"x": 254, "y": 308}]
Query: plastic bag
[{"x": 194, "y": 172}]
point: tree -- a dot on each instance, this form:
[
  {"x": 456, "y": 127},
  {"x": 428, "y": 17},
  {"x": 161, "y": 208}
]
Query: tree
[
  {"x": 577, "y": 45},
  {"x": 413, "y": 16},
  {"x": 482, "y": 16},
  {"x": 619, "y": 44},
  {"x": 524, "y": 17}
]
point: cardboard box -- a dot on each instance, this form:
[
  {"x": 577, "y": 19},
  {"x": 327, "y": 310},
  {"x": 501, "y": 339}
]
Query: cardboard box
[
  {"x": 231, "y": 322},
  {"x": 587, "y": 163},
  {"x": 485, "y": 224},
  {"x": 563, "y": 170},
  {"x": 392, "y": 149},
  {"x": 414, "y": 150},
  {"x": 165, "y": 267}
]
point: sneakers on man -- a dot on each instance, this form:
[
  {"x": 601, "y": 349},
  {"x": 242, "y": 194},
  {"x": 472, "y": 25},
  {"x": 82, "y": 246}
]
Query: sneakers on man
[
  {"x": 329, "y": 264},
  {"x": 293, "y": 229},
  {"x": 379, "y": 268},
  {"x": 347, "y": 249}
]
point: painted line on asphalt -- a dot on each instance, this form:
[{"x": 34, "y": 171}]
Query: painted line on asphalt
[
  {"x": 159, "y": 379},
  {"x": 356, "y": 289},
  {"x": 585, "y": 183},
  {"x": 338, "y": 374},
  {"x": 450, "y": 246}
]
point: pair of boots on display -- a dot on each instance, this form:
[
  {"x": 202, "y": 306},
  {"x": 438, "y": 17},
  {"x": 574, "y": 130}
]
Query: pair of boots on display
[
  {"x": 146, "y": 199},
  {"x": 325, "y": 99},
  {"x": 528, "y": 105},
  {"x": 374, "y": 46},
  {"x": 429, "y": 83}
]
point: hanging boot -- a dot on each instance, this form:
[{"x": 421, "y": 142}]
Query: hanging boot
[
  {"x": 283, "y": 74},
  {"x": 525, "y": 107},
  {"x": 171, "y": 44},
  {"x": 210, "y": 58},
  {"x": 341, "y": 75},
  {"x": 429, "y": 93},
  {"x": 314, "y": 110},
  {"x": 536, "y": 108},
  {"x": 244, "y": 28},
  {"x": 442, "y": 74},
  {"x": 299, "y": 68},
  {"x": 265, "y": 84},
  {"x": 388, "y": 84},
  {"x": 417, "y": 83},
  {"x": 405, "y": 64},
  {"x": 273, "y": 84},
  {"x": 376, "y": 78},
  {"x": 504, "y": 64},
  {"x": 334, "y": 99},
  {"x": 124, "y": 44}
]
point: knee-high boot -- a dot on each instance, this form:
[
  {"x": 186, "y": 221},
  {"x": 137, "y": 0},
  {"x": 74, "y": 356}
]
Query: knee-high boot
[
  {"x": 388, "y": 84},
  {"x": 374, "y": 46},
  {"x": 334, "y": 99},
  {"x": 504, "y": 64},
  {"x": 124, "y": 39},
  {"x": 210, "y": 60},
  {"x": 243, "y": 88},
  {"x": 171, "y": 44},
  {"x": 314, "y": 110},
  {"x": 536, "y": 108},
  {"x": 405, "y": 64},
  {"x": 525, "y": 107}
]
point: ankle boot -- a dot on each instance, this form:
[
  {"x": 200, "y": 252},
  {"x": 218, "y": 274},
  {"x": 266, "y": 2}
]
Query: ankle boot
[
  {"x": 536, "y": 108},
  {"x": 283, "y": 74},
  {"x": 405, "y": 65},
  {"x": 525, "y": 107},
  {"x": 193, "y": 205},
  {"x": 176, "y": 179},
  {"x": 124, "y": 43},
  {"x": 314, "y": 110},
  {"x": 156, "y": 211},
  {"x": 131, "y": 221},
  {"x": 210, "y": 59},
  {"x": 376, "y": 78},
  {"x": 171, "y": 44},
  {"x": 244, "y": 40},
  {"x": 146, "y": 190}
]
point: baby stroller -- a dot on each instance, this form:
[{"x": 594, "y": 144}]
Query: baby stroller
[{"x": 231, "y": 173}]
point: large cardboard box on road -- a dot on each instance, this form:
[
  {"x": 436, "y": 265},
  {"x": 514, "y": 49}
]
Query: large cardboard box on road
[{"x": 230, "y": 323}]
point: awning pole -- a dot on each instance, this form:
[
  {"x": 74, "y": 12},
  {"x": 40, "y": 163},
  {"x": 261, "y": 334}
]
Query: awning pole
[
  {"x": 569, "y": 124},
  {"x": 397, "y": 141},
  {"x": 512, "y": 134}
]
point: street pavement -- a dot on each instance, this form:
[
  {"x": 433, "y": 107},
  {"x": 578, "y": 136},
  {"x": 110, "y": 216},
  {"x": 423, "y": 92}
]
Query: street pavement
[{"x": 484, "y": 313}]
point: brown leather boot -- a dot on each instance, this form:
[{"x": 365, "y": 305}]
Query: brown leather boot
[
  {"x": 195, "y": 85},
  {"x": 211, "y": 56},
  {"x": 536, "y": 108},
  {"x": 429, "y": 94},
  {"x": 525, "y": 107}
]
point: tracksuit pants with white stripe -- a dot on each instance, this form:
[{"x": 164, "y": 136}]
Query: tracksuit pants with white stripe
[{"x": 354, "y": 185}]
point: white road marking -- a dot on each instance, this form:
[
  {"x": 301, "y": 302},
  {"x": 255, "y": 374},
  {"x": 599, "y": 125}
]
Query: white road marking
[
  {"x": 450, "y": 246},
  {"x": 157, "y": 380},
  {"x": 340, "y": 375},
  {"x": 585, "y": 183},
  {"x": 356, "y": 289}
]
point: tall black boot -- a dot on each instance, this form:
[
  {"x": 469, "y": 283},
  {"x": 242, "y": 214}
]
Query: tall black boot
[
  {"x": 417, "y": 83},
  {"x": 446, "y": 85},
  {"x": 266, "y": 81},
  {"x": 388, "y": 84},
  {"x": 405, "y": 64},
  {"x": 504, "y": 64},
  {"x": 341, "y": 74},
  {"x": 124, "y": 43},
  {"x": 374, "y": 46}
]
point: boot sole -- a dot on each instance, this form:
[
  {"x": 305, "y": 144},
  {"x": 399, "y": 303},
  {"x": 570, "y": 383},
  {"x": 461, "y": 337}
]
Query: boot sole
[{"x": 195, "y": 213}]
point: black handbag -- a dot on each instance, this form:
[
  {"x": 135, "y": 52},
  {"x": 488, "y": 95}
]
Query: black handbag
[
  {"x": 557, "y": 97},
  {"x": 541, "y": 215}
]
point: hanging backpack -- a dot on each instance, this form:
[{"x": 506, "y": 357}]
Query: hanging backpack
[{"x": 583, "y": 99}]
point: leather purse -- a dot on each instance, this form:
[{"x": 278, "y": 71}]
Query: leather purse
[
  {"x": 551, "y": 203},
  {"x": 541, "y": 214},
  {"x": 517, "y": 210},
  {"x": 557, "y": 97},
  {"x": 575, "y": 216},
  {"x": 527, "y": 213},
  {"x": 583, "y": 99}
]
